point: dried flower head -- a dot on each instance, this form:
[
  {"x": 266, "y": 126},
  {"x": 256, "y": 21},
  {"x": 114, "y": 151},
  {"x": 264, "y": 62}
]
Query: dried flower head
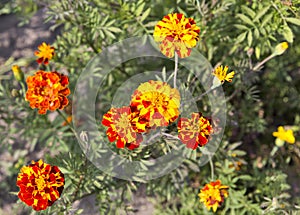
[
  {"x": 213, "y": 194},
  {"x": 175, "y": 33},
  {"x": 195, "y": 131},
  {"x": 40, "y": 184},
  {"x": 47, "y": 91}
]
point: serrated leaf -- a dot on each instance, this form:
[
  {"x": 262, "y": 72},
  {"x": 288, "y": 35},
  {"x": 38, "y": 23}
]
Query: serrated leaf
[
  {"x": 140, "y": 8},
  {"x": 288, "y": 34},
  {"x": 250, "y": 38},
  {"x": 261, "y": 13},
  {"x": 248, "y": 10},
  {"x": 293, "y": 20},
  {"x": 145, "y": 14},
  {"x": 245, "y": 19}
]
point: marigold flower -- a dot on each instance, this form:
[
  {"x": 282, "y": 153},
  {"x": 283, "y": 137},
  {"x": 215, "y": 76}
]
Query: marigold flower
[
  {"x": 44, "y": 54},
  {"x": 18, "y": 74},
  {"x": 121, "y": 128},
  {"x": 156, "y": 104},
  {"x": 40, "y": 184},
  {"x": 194, "y": 131},
  {"x": 285, "y": 135},
  {"x": 221, "y": 74},
  {"x": 213, "y": 194},
  {"x": 175, "y": 33},
  {"x": 47, "y": 91}
]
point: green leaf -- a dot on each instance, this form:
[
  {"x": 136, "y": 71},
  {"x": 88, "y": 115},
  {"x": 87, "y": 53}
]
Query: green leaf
[
  {"x": 293, "y": 20},
  {"x": 266, "y": 19},
  {"x": 145, "y": 14},
  {"x": 257, "y": 52},
  {"x": 250, "y": 38},
  {"x": 241, "y": 37},
  {"x": 140, "y": 8},
  {"x": 245, "y": 19},
  {"x": 249, "y": 11},
  {"x": 261, "y": 13},
  {"x": 114, "y": 29},
  {"x": 241, "y": 27},
  {"x": 288, "y": 34}
]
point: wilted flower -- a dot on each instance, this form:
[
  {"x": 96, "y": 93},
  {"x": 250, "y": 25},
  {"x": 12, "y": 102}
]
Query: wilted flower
[
  {"x": 44, "y": 54},
  {"x": 194, "y": 131},
  {"x": 175, "y": 33},
  {"x": 156, "y": 103},
  {"x": 47, "y": 91},
  {"x": 221, "y": 73},
  {"x": 281, "y": 48},
  {"x": 120, "y": 128},
  {"x": 284, "y": 135},
  {"x": 40, "y": 184},
  {"x": 18, "y": 74},
  {"x": 213, "y": 194}
]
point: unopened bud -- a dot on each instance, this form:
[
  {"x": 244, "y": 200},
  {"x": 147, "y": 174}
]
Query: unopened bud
[
  {"x": 280, "y": 48},
  {"x": 19, "y": 75},
  {"x": 14, "y": 93}
]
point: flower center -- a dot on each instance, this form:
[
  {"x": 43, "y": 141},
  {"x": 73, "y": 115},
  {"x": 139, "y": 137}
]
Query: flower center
[
  {"x": 123, "y": 121},
  {"x": 40, "y": 183}
]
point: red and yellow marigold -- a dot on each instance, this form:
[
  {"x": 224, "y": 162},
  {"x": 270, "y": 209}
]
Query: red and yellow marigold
[
  {"x": 40, "y": 184},
  {"x": 156, "y": 104},
  {"x": 212, "y": 195},
  {"x": 175, "y": 33},
  {"x": 195, "y": 131},
  {"x": 47, "y": 91},
  {"x": 45, "y": 53},
  {"x": 121, "y": 128}
]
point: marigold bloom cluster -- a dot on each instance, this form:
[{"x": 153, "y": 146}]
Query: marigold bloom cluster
[
  {"x": 221, "y": 73},
  {"x": 285, "y": 135},
  {"x": 40, "y": 184},
  {"x": 47, "y": 91},
  {"x": 175, "y": 33},
  {"x": 195, "y": 131},
  {"x": 153, "y": 104},
  {"x": 213, "y": 194},
  {"x": 45, "y": 53}
]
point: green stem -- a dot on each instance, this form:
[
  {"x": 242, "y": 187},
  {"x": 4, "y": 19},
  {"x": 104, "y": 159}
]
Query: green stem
[
  {"x": 257, "y": 66},
  {"x": 70, "y": 126},
  {"x": 175, "y": 69},
  {"x": 211, "y": 168}
]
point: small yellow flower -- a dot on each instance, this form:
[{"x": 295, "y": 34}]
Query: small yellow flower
[
  {"x": 213, "y": 194},
  {"x": 284, "y": 135},
  {"x": 44, "y": 54},
  {"x": 19, "y": 75},
  {"x": 221, "y": 74},
  {"x": 281, "y": 48}
]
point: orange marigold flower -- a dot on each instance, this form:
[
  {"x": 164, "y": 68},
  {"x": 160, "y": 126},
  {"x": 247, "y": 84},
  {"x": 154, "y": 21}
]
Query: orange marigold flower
[
  {"x": 44, "y": 54},
  {"x": 194, "y": 131},
  {"x": 175, "y": 33},
  {"x": 47, "y": 91},
  {"x": 40, "y": 184},
  {"x": 156, "y": 103},
  {"x": 120, "y": 128},
  {"x": 213, "y": 194}
]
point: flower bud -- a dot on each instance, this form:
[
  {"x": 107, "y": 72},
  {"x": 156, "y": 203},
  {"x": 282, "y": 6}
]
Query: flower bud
[
  {"x": 280, "y": 48},
  {"x": 19, "y": 75}
]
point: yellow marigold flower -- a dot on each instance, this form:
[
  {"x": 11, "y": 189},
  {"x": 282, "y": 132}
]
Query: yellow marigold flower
[
  {"x": 121, "y": 128},
  {"x": 44, "y": 54},
  {"x": 156, "y": 103},
  {"x": 40, "y": 184},
  {"x": 194, "y": 132},
  {"x": 213, "y": 194},
  {"x": 18, "y": 74},
  {"x": 175, "y": 33},
  {"x": 285, "y": 135},
  {"x": 221, "y": 74},
  {"x": 47, "y": 91},
  {"x": 281, "y": 48}
]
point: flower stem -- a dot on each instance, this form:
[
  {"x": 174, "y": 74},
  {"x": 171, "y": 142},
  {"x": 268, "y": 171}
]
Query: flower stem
[
  {"x": 175, "y": 69},
  {"x": 211, "y": 167},
  {"x": 70, "y": 126},
  {"x": 257, "y": 66}
]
